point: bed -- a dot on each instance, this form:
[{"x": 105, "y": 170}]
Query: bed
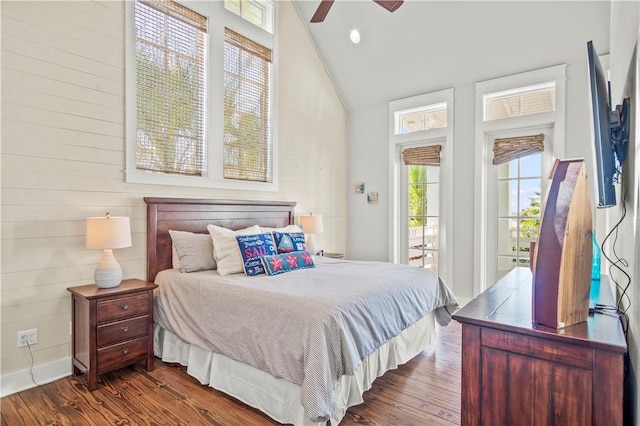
[{"x": 302, "y": 347}]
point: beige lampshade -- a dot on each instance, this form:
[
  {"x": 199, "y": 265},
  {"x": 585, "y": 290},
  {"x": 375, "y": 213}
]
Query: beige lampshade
[
  {"x": 109, "y": 232},
  {"x": 311, "y": 224}
]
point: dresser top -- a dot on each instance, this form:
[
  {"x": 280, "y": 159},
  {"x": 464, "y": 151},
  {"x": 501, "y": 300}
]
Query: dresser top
[{"x": 507, "y": 305}]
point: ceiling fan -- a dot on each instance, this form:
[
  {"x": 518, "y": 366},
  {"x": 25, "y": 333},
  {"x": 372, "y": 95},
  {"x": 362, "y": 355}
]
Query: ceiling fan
[{"x": 325, "y": 5}]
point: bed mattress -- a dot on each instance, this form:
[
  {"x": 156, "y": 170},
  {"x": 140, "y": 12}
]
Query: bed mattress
[{"x": 310, "y": 327}]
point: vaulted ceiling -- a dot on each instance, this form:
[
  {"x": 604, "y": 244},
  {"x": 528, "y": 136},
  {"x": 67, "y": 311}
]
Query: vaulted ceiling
[{"x": 426, "y": 46}]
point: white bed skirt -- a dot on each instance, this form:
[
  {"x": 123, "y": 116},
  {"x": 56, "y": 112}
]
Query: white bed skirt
[{"x": 278, "y": 398}]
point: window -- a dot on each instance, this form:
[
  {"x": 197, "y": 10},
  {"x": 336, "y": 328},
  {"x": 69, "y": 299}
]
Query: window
[
  {"x": 170, "y": 88},
  {"x": 246, "y": 109},
  {"x": 519, "y": 130},
  {"x": 421, "y": 164},
  {"x": 423, "y": 118},
  {"x": 519, "y": 197},
  {"x": 199, "y": 94},
  {"x": 424, "y": 205},
  {"x": 259, "y": 13},
  {"x": 522, "y": 101}
]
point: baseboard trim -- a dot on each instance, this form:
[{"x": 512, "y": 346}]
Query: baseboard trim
[{"x": 46, "y": 373}]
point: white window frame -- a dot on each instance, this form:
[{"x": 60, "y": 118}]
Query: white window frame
[
  {"x": 218, "y": 18},
  {"x": 398, "y": 205},
  {"x": 486, "y": 131}
]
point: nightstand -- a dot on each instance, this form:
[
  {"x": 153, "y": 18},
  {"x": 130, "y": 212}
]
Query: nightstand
[
  {"x": 112, "y": 327},
  {"x": 331, "y": 255}
]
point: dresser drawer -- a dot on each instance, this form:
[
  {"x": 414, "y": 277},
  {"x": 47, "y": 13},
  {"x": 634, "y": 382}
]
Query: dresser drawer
[
  {"x": 122, "y": 354},
  {"x": 118, "y": 331},
  {"x": 124, "y": 307}
]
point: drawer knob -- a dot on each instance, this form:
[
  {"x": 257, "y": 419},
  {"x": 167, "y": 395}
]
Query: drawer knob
[
  {"x": 125, "y": 351},
  {"x": 125, "y": 329},
  {"x": 124, "y": 307}
]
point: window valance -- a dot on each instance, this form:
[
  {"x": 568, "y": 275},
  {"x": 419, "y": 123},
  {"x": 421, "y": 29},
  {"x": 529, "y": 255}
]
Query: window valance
[
  {"x": 423, "y": 155},
  {"x": 507, "y": 149}
]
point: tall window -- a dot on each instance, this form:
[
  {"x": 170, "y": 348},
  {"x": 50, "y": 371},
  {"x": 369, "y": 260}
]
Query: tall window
[
  {"x": 424, "y": 205},
  {"x": 246, "y": 109},
  {"x": 519, "y": 196},
  {"x": 519, "y": 130},
  {"x": 170, "y": 88},
  {"x": 421, "y": 162},
  {"x": 200, "y": 93}
]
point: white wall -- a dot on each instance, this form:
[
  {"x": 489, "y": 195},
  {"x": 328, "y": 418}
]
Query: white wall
[
  {"x": 625, "y": 82},
  {"x": 63, "y": 160},
  {"x": 544, "y": 45}
]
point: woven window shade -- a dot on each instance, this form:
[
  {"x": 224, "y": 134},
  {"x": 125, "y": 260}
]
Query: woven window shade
[
  {"x": 170, "y": 88},
  {"x": 247, "y": 133},
  {"x": 507, "y": 149},
  {"x": 423, "y": 155}
]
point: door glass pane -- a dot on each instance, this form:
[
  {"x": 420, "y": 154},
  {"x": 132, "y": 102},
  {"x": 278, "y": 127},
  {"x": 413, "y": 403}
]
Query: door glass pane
[
  {"x": 432, "y": 199},
  {"x": 518, "y": 212},
  {"x": 531, "y": 165},
  {"x": 424, "y": 210},
  {"x": 433, "y": 174},
  {"x": 507, "y": 236}
]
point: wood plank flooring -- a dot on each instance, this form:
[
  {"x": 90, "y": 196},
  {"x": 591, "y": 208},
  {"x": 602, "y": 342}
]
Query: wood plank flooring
[{"x": 425, "y": 391}]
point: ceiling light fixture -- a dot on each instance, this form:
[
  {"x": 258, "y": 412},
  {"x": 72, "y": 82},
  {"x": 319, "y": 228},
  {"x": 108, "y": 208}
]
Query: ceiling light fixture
[{"x": 354, "y": 35}]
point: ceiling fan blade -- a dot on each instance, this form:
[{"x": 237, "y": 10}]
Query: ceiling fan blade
[
  {"x": 322, "y": 10},
  {"x": 390, "y": 5}
]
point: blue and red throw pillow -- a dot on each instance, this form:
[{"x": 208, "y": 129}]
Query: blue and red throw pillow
[
  {"x": 252, "y": 248},
  {"x": 286, "y": 242},
  {"x": 286, "y": 262}
]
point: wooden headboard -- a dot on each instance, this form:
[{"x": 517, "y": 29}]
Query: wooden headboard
[{"x": 189, "y": 214}]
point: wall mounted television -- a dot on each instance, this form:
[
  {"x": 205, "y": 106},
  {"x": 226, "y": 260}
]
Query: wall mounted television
[{"x": 610, "y": 132}]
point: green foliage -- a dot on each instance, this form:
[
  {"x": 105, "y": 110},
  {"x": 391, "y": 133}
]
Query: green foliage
[
  {"x": 417, "y": 194},
  {"x": 168, "y": 94},
  {"x": 245, "y": 143},
  {"x": 529, "y": 227}
]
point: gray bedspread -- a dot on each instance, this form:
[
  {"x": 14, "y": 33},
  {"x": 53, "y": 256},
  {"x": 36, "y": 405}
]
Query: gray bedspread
[{"x": 310, "y": 326}]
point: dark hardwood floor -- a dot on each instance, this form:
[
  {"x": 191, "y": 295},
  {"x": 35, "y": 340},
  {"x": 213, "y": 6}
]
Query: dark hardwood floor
[{"x": 425, "y": 391}]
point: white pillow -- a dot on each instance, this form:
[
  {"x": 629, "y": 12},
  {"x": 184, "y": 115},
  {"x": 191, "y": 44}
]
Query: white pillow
[
  {"x": 195, "y": 251},
  {"x": 288, "y": 228},
  {"x": 175, "y": 258},
  {"x": 226, "y": 251}
]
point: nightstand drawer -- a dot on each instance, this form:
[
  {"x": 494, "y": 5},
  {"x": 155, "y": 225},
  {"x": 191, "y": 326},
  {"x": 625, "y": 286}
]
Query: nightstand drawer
[
  {"x": 121, "y": 354},
  {"x": 122, "y": 330},
  {"x": 123, "y": 307}
]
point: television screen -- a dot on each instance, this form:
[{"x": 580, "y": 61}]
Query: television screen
[{"x": 604, "y": 162}]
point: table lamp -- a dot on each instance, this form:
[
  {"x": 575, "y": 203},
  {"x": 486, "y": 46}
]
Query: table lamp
[
  {"x": 107, "y": 233},
  {"x": 311, "y": 224}
]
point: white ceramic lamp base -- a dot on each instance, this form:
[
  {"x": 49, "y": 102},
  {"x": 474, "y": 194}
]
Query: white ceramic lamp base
[
  {"x": 311, "y": 245},
  {"x": 108, "y": 272}
]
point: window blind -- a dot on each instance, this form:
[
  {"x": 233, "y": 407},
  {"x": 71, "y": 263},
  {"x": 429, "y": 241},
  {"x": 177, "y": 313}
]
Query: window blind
[
  {"x": 423, "y": 155},
  {"x": 170, "y": 88},
  {"x": 507, "y": 149},
  {"x": 247, "y": 135}
]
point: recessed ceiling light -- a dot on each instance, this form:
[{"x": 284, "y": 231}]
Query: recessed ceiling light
[{"x": 354, "y": 36}]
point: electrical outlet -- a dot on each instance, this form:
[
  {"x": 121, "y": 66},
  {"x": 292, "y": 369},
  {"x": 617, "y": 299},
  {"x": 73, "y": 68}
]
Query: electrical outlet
[{"x": 28, "y": 336}]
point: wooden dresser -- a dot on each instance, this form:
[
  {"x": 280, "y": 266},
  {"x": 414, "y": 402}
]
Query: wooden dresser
[
  {"x": 112, "y": 327},
  {"x": 516, "y": 373}
]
